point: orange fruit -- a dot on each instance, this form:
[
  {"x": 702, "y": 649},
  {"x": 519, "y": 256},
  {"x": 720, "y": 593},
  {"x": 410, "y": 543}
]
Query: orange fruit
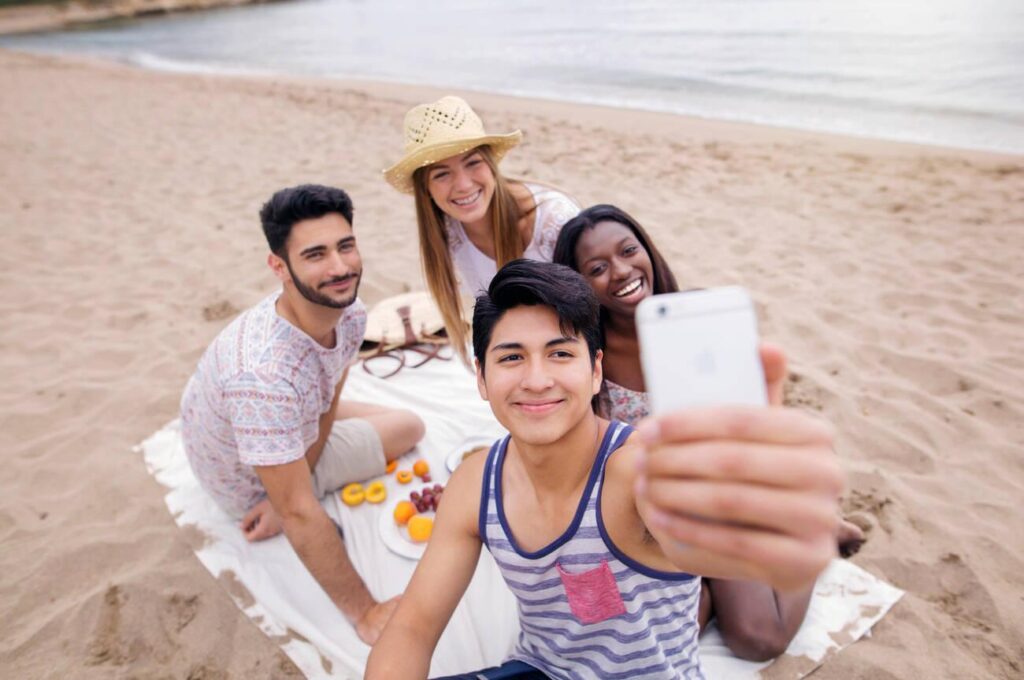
[
  {"x": 420, "y": 528},
  {"x": 420, "y": 468},
  {"x": 404, "y": 476},
  {"x": 353, "y": 494},
  {"x": 376, "y": 493},
  {"x": 404, "y": 512},
  {"x": 390, "y": 467}
]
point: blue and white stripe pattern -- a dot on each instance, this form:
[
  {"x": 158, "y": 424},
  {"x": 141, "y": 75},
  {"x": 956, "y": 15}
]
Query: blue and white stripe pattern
[{"x": 654, "y": 636}]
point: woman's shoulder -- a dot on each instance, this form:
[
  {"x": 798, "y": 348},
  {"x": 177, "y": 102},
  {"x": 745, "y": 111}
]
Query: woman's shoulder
[
  {"x": 547, "y": 196},
  {"x": 553, "y": 209}
]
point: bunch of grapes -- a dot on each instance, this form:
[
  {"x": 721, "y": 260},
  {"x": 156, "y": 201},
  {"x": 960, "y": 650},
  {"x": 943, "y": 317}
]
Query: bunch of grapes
[{"x": 427, "y": 498}]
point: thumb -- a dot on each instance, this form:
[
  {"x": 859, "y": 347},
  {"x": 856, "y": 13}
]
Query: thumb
[{"x": 773, "y": 361}]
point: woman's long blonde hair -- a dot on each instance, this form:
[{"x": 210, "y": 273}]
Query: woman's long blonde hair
[{"x": 436, "y": 260}]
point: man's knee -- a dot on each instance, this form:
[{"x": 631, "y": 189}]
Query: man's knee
[
  {"x": 417, "y": 428},
  {"x": 399, "y": 431},
  {"x": 409, "y": 428}
]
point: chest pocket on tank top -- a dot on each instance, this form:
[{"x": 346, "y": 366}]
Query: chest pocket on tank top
[{"x": 593, "y": 595}]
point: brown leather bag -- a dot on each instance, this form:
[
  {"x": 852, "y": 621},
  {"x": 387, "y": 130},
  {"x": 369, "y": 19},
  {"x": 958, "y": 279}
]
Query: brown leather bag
[{"x": 400, "y": 327}]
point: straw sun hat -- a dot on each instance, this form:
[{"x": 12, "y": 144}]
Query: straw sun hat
[{"x": 440, "y": 130}]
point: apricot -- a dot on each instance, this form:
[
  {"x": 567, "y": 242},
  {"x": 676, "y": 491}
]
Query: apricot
[
  {"x": 420, "y": 468},
  {"x": 376, "y": 493},
  {"x": 420, "y": 528},
  {"x": 404, "y": 476},
  {"x": 390, "y": 467},
  {"x": 353, "y": 494},
  {"x": 404, "y": 512}
]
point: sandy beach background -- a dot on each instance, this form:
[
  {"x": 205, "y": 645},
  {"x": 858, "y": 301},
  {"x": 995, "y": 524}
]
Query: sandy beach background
[{"x": 891, "y": 273}]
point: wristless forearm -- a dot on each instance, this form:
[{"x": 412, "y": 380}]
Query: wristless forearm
[
  {"x": 401, "y": 652},
  {"x": 321, "y": 549}
]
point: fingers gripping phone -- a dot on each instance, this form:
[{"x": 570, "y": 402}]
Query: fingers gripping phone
[{"x": 700, "y": 348}]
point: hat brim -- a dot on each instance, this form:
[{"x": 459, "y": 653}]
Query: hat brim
[{"x": 400, "y": 174}]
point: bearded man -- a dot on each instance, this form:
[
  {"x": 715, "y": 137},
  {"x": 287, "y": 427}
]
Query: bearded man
[{"x": 264, "y": 428}]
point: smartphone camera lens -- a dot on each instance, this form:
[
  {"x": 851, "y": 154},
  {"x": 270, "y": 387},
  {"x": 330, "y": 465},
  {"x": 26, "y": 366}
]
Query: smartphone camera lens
[{"x": 662, "y": 310}]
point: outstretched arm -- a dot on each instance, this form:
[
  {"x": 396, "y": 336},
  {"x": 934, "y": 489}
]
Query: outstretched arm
[
  {"x": 318, "y": 544},
  {"x": 437, "y": 585}
]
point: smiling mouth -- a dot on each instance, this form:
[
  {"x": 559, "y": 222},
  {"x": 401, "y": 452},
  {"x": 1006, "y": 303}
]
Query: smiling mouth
[
  {"x": 469, "y": 200},
  {"x": 539, "y": 407},
  {"x": 339, "y": 283},
  {"x": 629, "y": 288}
]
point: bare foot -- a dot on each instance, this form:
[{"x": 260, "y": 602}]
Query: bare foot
[
  {"x": 850, "y": 538},
  {"x": 261, "y": 522}
]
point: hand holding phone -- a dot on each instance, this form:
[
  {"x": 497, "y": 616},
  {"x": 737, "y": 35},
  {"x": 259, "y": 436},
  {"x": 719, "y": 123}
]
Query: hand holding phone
[{"x": 729, "y": 489}]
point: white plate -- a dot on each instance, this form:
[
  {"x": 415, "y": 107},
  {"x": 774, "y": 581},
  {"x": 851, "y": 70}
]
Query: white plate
[
  {"x": 395, "y": 537},
  {"x": 454, "y": 459}
]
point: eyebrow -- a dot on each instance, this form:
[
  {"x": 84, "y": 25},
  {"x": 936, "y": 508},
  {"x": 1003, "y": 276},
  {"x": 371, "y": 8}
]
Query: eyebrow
[
  {"x": 565, "y": 339},
  {"x": 463, "y": 159},
  {"x": 321, "y": 248}
]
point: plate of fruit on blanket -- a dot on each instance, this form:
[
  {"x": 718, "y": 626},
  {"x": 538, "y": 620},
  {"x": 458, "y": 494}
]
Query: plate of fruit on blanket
[
  {"x": 468, "y": 447},
  {"x": 406, "y": 527}
]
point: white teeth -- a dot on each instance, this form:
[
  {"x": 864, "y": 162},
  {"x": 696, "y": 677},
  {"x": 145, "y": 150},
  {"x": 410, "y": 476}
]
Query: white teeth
[
  {"x": 466, "y": 201},
  {"x": 623, "y": 292}
]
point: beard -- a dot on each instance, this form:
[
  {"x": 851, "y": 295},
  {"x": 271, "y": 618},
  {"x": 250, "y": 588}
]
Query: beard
[{"x": 313, "y": 294}]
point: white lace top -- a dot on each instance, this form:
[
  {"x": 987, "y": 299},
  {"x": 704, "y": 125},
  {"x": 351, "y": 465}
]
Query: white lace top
[{"x": 476, "y": 269}]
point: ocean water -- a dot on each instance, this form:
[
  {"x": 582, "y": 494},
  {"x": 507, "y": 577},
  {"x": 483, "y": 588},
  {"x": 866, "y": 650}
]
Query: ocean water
[{"x": 945, "y": 72}]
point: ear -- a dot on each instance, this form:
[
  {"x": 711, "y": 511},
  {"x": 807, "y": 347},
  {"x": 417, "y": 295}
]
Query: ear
[
  {"x": 598, "y": 372},
  {"x": 278, "y": 266},
  {"x": 481, "y": 386}
]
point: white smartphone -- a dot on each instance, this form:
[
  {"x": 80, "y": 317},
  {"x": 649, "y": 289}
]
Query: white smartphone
[{"x": 700, "y": 348}]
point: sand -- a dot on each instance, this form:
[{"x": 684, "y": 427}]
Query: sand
[{"x": 891, "y": 273}]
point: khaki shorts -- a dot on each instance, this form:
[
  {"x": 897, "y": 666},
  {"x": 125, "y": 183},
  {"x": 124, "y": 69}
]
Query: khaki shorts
[{"x": 353, "y": 453}]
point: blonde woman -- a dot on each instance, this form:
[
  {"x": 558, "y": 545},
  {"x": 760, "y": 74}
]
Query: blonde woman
[{"x": 472, "y": 219}]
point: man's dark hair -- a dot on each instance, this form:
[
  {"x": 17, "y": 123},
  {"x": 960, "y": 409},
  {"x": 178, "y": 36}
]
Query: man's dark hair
[
  {"x": 295, "y": 204},
  {"x": 529, "y": 283}
]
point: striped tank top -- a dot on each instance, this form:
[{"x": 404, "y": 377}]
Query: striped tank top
[{"x": 586, "y": 609}]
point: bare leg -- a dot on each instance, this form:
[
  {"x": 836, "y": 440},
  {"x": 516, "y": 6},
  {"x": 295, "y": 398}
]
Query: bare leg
[
  {"x": 399, "y": 429},
  {"x": 757, "y": 623}
]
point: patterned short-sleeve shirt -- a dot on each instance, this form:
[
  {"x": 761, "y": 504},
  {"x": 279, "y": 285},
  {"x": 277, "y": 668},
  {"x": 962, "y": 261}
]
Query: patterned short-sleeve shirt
[{"x": 257, "y": 396}]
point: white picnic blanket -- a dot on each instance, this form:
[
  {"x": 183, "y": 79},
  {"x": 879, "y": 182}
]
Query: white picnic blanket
[{"x": 269, "y": 583}]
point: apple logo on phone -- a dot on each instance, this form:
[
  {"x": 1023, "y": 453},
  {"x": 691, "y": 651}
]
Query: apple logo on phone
[{"x": 704, "y": 362}]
